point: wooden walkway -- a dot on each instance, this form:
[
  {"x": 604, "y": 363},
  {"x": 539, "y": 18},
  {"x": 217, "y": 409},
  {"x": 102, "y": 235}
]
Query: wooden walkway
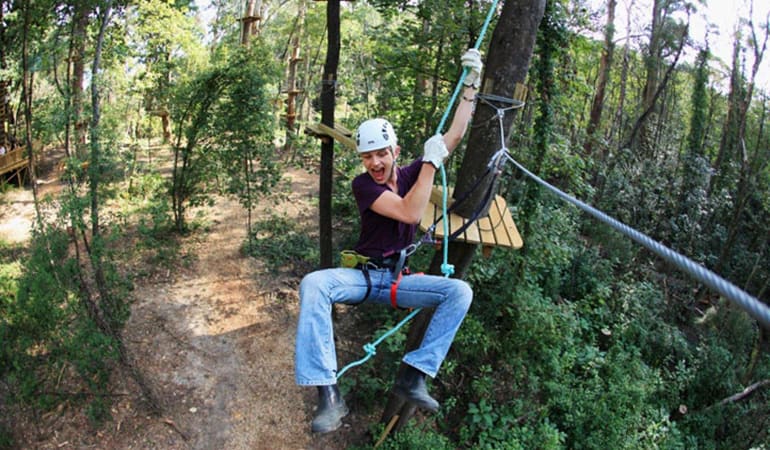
[{"x": 14, "y": 163}]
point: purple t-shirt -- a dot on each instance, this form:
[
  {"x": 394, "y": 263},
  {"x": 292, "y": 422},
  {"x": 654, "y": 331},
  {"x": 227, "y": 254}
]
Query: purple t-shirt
[{"x": 379, "y": 234}]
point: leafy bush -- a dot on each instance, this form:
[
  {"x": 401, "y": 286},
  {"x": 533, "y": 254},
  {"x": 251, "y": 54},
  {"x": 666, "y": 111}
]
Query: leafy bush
[
  {"x": 48, "y": 326},
  {"x": 282, "y": 245}
]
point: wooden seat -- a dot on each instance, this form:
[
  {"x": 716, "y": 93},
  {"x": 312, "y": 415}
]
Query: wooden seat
[{"x": 496, "y": 229}]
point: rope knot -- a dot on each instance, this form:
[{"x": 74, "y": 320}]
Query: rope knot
[
  {"x": 447, "y": 269},
  {"x": 370, "y": 349}
]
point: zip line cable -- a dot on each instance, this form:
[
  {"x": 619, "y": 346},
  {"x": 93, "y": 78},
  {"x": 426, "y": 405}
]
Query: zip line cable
[{"x": 748, "y": 303}]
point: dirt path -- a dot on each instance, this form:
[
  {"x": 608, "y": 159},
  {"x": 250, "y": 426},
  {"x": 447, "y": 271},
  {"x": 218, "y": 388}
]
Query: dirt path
[{"x": 215, "y": 341}]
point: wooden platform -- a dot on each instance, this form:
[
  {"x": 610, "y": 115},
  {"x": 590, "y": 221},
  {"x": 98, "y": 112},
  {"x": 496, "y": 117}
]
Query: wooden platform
[
  {"x": 14, "y": 162},
  {"x": 496, "y": 229},
  {"x": 338, "y": 133}
]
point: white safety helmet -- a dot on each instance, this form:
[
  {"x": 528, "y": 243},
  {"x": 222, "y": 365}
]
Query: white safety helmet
[{"x": 375, "y": 134}]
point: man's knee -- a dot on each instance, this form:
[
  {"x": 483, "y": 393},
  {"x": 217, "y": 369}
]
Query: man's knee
[
  {"x": 463, "y": 293},
  {"x": 312, "y": 282}
]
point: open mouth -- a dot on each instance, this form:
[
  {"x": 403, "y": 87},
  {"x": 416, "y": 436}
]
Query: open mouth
[{"x": 378, "y": 174}]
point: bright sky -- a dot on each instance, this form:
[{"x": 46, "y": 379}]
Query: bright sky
[
  {"x": 719, "y": 17},
  {"x": 722, "y": 15}
]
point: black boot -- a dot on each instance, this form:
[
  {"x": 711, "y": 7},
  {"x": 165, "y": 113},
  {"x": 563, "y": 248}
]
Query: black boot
[
  {"x": 411, "y": 387},
  {"x": 331, "y": 409}
]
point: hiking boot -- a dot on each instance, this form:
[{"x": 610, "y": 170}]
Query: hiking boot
[
  {"x": 331, "y": 410},
  {"x": 410, "y": 386}
]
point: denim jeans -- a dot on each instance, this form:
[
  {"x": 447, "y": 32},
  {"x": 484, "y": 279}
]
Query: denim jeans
[{"x": 315, "y": 355}]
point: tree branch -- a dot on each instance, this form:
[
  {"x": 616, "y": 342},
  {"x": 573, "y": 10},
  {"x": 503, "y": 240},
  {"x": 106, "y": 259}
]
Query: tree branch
[{"x": 741, "y": 395}]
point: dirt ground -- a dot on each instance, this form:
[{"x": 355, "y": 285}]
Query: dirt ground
[{"x": 214, "y": 338}]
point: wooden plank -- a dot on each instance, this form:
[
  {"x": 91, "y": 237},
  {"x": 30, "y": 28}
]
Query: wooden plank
[
  {"x": 428, "y": 216},
  {"x": 485, "y": 229},
  {"x": 495, "y": 215},
  {"x": 510, "y": 227},
  {"x": 437, "y": 199},
  {"x": 341, "y": 136},
  {"x": 12, "y": 160},
  {"x": 472, "y": 235},
  {"x": 455, "y": 223},
  {"x": 439, "y": 231}
]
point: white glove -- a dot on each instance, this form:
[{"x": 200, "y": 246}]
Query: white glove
[
  {"x": 435, "y": 151},
  {"x": 472, "y": 61}
]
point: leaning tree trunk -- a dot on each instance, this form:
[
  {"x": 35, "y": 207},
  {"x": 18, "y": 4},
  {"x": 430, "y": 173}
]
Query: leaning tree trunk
[
  {"x": 328, "y": 90},
  {"x": 597, "y": 106},
  {"x": 5, "y": 108},
  {"x": 77, "y": 55},
  {"x": 27, "y": 86},
  {"x": 507, "y": 65},
  {"x": 110, "y": 322},
  {"x": 292, "y": 89}
]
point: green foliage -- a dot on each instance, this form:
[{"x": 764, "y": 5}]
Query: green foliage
[
  {"x": 580, "y": 340},
  {"x": 224, "y": 133},
  {"x": 282, "y": 245},
  {"x": 412, "y": 437},
  {"x": 495, "y": 427},
  {"x": 6, "y": 438},
  {"x": 45, "y": 327}
]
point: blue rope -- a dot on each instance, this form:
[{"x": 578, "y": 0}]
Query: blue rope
[
  {"x": 371, "y": 348},
  {"x": 446, "y": 268}
]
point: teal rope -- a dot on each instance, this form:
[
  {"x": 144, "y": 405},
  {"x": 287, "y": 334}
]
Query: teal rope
[
  {"x": 446, "y": 268},
  {"x": 371, "y": 348}
]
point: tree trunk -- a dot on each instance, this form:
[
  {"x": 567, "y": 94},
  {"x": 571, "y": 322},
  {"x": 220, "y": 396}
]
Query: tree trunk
[
  {"x": 605, "y": 63},
  {"x": 5, "y": 109},
  {"x": 77, "y": 55},
  {"x": 643, "y": 127},
  {"x": 107, "y": 299},
  {"x": 652, "y": 64},
  {"x": 729, "y": 129},
  {"x": 746, "y": 176},
  {"x": 328, "y": 92},
  {"x": 291, "y": 81},
  {"x": 27, "y": 85},
  {"x": 507, "y": 66},
  {"x": 248, "y": 22},
  {"x": 618, "y": 125}
]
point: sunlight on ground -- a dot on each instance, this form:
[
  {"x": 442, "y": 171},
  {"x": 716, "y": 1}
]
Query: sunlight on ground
[{"x": 15, "y": 230}]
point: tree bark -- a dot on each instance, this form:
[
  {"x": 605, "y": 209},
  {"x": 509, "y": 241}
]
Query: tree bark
[
  {"x": 27, "y": 87},
  {"x": 249, "y": 22},
  {"x": 507, "y": 65},
  {"x": 328, "y": 92},
  {"x": 728, "y": 139},
  {"x": 77, "y": 55},
  {"x": 605, "y": 63},
  {"x": 5, "y": 109},
  {"x": 291, "y": 81}
]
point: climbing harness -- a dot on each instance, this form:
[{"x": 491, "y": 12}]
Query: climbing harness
[{"x": 395, "y": 262}]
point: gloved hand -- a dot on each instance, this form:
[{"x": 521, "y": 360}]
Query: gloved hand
[
  {"x": 472, "y": 61},
  {"x": 435, "y": 151}
]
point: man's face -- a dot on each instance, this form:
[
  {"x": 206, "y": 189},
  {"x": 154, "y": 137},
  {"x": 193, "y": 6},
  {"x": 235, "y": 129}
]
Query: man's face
[{"x": 380, "y": 163}]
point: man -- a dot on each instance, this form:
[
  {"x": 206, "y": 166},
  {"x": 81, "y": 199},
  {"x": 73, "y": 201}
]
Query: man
[{"x": 391, "y": 200}]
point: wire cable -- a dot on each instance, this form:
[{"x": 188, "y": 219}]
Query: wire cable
[{"x": 748, "y": 303}]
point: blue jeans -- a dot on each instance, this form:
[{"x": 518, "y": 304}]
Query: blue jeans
[{"x": 316, "y": 357}]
